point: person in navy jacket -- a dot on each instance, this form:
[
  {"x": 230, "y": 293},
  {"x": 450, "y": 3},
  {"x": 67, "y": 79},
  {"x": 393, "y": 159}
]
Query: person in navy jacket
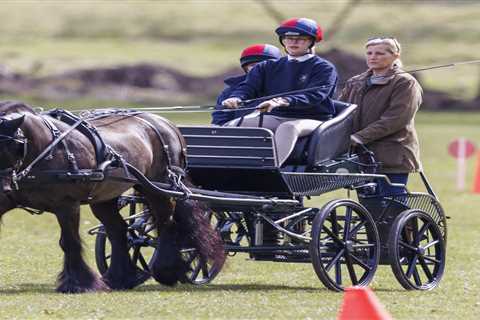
[
  {"x": 290, "y": 116},
  {"x": 249, "y": 57}
]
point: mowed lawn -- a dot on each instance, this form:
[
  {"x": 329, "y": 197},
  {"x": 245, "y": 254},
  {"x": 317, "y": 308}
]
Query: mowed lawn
[{"x": 30, "y": 259}]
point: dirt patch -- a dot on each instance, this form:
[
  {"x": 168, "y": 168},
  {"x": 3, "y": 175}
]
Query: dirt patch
[{"x": 160, "y": 85}]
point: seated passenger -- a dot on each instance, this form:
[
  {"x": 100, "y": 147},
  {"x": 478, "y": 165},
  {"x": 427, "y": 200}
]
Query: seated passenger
[
  {"x": 248, "y": 59},
  {"x": 293, "y": 115}
]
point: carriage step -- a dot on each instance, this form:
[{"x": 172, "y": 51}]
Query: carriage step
[
  {"x": 295, "y": 256},
  {"x": 292, "y": 258}
]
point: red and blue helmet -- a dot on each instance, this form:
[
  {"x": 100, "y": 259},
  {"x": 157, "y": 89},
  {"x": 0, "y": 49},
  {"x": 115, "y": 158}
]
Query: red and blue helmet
[
  {"x": 300, "y": 27},
  {"x": 258, "y": 53}
]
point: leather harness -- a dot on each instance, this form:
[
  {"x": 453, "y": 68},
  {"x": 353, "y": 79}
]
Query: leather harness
[{"x": 105, "y": 155}]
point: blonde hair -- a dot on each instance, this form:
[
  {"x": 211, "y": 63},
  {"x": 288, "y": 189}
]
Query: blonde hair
[{"x": 393, "y": 46}]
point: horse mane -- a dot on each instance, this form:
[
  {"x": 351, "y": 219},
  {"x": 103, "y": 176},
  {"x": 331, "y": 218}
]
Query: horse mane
[{"x": 7, "y": 107}]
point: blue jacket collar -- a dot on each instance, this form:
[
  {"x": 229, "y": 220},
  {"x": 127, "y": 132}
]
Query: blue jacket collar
[{"x": 232, "y": 81}]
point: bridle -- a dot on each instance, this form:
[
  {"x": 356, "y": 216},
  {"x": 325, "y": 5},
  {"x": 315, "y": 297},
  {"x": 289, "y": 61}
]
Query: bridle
[{"x": 18, "y": 143}]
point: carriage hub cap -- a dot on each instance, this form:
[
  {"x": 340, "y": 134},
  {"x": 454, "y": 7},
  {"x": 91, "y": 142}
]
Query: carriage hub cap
[{"x": 349, "y": 245}]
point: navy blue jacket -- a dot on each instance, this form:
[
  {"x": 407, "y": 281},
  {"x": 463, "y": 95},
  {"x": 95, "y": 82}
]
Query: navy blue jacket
[
  {"x": 278, "y": 76},
  {"x": 219, "y": 117}
]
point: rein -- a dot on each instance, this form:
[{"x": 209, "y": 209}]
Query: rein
[{"x": 209, "y": 108}]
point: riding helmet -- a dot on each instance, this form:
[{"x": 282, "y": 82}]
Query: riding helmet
[
  {"x": 300, "y": 27},
  {"x": 258, "y": 53}
]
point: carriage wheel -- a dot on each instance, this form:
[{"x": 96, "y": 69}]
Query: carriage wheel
[
  {"x": 345, "y": 245},
  {"x": 201, "y": 271},
  {"x": 417, "y": 250},
  {"x": 141, "y": 240}
]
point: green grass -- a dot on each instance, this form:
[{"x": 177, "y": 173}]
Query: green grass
[
  {"x": 30, "y": 259},
  {"x": 205, "y": 37}
]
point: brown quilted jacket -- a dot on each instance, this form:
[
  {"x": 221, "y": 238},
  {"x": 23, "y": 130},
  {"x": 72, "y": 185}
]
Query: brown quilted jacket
[{"x": 385, "y": 119}]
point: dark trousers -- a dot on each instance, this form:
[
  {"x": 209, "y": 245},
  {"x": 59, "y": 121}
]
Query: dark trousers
[{"x": 384, "y": 189}]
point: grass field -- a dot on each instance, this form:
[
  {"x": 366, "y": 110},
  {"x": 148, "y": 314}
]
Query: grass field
[
  {"x": 30, "y": 259},
  {"x": 206, "y": 36}
]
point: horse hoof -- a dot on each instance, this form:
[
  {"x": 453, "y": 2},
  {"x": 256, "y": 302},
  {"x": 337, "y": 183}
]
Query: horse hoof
[
  {"x": 140, "y": 277},
  {"x": 166, "y": 277},
  {"x": 97, "y": 286},
  {"x": 126, "y": 284}
]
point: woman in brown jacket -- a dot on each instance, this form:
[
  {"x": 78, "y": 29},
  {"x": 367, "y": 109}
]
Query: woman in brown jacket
[{"x": 388, "y": 99}]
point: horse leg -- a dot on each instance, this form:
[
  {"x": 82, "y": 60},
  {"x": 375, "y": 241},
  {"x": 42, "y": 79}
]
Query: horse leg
[
  {"x": 167, "y": 264},
  {"x": 76, "y": 276},
  {"x": 188, "y": 228},
  {"x": 122, "y": 273}
]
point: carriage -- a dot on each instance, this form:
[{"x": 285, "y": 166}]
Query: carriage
[{"x": 263, "y": 209}]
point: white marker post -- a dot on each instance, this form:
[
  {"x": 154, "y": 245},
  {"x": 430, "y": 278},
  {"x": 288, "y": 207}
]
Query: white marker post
[
  {"x": 461, "y": 164},
  {"x": 461, "y": 149}
]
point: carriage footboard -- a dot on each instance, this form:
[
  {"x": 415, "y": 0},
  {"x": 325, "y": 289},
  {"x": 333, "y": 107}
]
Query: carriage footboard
[{"x": 314, "y": 184}]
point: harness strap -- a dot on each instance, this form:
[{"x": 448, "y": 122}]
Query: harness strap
[
  {"x": 179, "y": 136},
  {"x": 55, "y": 134},
  {"x": 87, "y": 129},
  {"x": 175, "y": 173},
  {"x": 42, "y": 155},
  {"x": 72, "y": 161},
  {"x": 162, "y": 141},
  {"x": 54, "y": 131}
]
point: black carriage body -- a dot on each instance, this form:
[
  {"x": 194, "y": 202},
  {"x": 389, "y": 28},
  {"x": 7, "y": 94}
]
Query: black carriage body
[{"x": 243, "y": 161}]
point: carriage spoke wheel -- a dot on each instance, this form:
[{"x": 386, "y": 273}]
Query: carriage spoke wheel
[
  {"x": 141, "y": 237},
  {"x": 417, "y": 250},
  {"x": 345, "y": 245},
  {"x": 199, "y": 271},
  {"x": 202, "y": 271}
]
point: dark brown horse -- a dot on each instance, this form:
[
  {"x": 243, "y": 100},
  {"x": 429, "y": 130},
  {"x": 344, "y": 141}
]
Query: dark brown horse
[{"x": 149, "y": 143}]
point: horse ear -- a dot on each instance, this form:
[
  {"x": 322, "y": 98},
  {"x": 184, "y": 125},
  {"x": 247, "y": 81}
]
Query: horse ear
[{"x": 10, "y": 126}]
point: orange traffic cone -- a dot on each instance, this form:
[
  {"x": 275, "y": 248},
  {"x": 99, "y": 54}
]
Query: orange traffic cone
[
  {"x": 476, "y": 178},
  {"x": 362, "y": 304}
]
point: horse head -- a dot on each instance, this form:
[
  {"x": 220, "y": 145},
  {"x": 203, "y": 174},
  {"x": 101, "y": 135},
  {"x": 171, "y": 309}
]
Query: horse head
[{"x": 13, "y": 147}]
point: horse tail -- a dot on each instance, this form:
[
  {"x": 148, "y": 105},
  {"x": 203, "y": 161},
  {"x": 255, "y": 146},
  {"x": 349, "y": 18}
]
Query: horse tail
[
  {"x": 194, "y": 226},
  {"x": 190, "y": 228}
]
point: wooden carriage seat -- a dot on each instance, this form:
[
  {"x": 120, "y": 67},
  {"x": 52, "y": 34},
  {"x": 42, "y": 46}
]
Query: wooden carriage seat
[
  {"x": 244, "y": 160},
  {"x": 330, "y": 140}
]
